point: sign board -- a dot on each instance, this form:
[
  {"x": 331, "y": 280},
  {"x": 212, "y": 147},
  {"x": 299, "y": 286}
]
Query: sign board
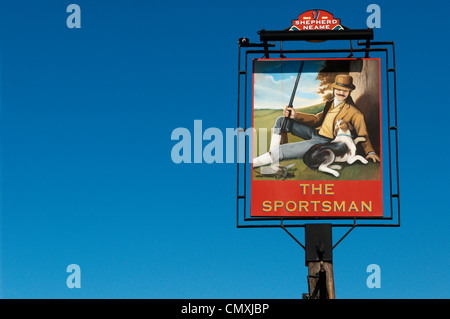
[
  {"x": 316, "y": 20},
  {"x": 322, "y": 170}
]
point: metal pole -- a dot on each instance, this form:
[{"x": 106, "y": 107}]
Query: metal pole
[
  {"x": 320, "y": 35},
  {"x": 319, "y": 259}
]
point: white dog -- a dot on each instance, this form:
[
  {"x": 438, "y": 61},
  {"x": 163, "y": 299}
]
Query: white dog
[{"x": 341, "y": 149}]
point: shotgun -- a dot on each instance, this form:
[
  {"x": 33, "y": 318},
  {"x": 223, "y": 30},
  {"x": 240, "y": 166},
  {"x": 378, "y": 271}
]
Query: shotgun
[{"x": 291, "y": 102}]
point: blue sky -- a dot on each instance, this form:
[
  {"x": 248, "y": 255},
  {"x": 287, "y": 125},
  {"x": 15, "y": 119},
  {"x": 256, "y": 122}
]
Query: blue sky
[
  {"x": 273, "y": 83},
  {"x": 87, "y": 177}
]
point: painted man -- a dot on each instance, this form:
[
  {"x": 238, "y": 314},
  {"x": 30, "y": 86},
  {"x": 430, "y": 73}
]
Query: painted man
[{"x": 318, "y": 128}]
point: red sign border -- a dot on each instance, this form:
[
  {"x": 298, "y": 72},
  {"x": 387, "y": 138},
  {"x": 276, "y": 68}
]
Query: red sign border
[{"x": 321, "y": 215}]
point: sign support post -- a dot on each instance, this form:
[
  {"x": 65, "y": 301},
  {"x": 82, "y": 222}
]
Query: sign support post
[
  {"x": 319, "y": 259},
  {"x": 320, "y": 281}
]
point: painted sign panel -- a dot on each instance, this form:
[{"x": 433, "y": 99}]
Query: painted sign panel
[
  {"x": 317, "y": 138},
  {"x": 316, "y": 20}
]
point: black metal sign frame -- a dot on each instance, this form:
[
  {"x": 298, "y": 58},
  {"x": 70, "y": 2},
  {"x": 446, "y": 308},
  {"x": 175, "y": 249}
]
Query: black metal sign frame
[{"x": 248, "y": 50}]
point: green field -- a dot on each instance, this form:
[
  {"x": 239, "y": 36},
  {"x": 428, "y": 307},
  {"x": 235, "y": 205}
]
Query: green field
[{"x": 265, "y": 118}]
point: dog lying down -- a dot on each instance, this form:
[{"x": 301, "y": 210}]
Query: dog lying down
[{"x": 341, "y": 149}]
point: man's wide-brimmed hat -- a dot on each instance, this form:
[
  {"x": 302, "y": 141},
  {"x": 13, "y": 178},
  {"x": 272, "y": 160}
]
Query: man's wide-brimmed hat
[{"x": 343, "y": 82}]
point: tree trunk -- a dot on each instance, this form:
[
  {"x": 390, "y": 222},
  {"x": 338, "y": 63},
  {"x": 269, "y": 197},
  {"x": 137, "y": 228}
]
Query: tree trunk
[{"x": 366, "y": 96}]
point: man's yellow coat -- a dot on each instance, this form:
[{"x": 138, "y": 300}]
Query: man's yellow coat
[{"x": 349, "y": 113}]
